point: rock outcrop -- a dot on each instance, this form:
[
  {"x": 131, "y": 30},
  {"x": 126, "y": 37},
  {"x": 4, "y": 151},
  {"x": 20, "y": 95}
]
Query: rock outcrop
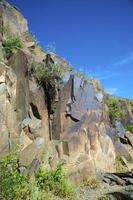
[{"x": 78, "y": 131}]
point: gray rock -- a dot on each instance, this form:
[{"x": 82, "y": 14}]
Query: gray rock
[
  {"x": 120, "y": 128},
  {"x": 2, "y": 88},
  {"x": 39, "y": 141},
  {"x": 128, "y": 180},
  {"x": 26, "y": 122},
  {"x": 33, "y": 166},
  {"x": 114, "y": 178},
  {"x": 99, "y": 97}
]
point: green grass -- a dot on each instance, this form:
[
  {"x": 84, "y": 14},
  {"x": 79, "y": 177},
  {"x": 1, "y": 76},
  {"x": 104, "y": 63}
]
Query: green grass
[
  {"x": 46, "y": 74},
  {"x": 55, "y": 181},
  {"x": 45, "y": 185},
  {"x": 129, "y": 127},
  {"x": 115, "y": 109},
  {"x": 13, "y": 185},
  {"x": 11, "y": 43},
  {"x": 119, "y": 165},
  {"x": 91, "y": 182}
]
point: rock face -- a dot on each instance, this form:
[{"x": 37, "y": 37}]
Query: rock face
[
  {"x": 78, "y": 132},
  {"x": 11, "y": 19}
]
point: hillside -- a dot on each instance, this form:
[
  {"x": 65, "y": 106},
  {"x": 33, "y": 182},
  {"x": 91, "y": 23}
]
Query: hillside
[{"x": 54, "y": 113}]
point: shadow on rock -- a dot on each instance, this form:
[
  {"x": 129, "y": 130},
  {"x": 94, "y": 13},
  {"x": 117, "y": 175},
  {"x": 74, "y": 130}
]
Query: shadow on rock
[{"x": 121, "y": 195}]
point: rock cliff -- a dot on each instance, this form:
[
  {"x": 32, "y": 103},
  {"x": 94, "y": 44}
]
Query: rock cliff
[{"x": 69, "y": 122}]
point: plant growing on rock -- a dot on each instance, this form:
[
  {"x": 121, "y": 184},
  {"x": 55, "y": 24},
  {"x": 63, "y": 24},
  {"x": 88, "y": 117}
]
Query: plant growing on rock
[
  {"x": 115, "y": 110},
  {"x": 46, "y": 74},
  {"x": 11, "y": 43},
  {"x": 91, "y": 182},
  {"x": 119, "y": 165},
  {"x": 129, "y": 127},
  {"x": 5, "y": 30}
]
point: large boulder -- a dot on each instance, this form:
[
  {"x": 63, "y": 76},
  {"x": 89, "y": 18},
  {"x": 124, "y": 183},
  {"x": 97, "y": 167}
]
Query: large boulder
[{"x": 12, "y": 20}]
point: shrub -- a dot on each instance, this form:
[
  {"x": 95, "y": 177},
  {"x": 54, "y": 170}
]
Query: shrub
[
  {"x": 129, "y": 127},
  {"x": 46, "y": 74},
  {"x": 5, "y": 30},
  {"x": 12, "y": 42},
  {"x": 92, "y": 182},
  {"x": 55, "y": 181},
  {"x": 13, "y": 185},
  {"x": 119, "y": 165},
  {"x": 115, "y": 109},
  {"x": 34, "y": 190},
  {"x": 50, "y": 77}
]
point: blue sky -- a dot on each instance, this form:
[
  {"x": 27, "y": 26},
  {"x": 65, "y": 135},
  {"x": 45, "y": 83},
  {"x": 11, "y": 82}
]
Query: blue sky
[{"x": 95, "y": 36}]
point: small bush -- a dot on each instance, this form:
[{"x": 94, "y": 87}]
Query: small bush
[
  {"x": 119, "y": 165},
  {"x": 50, "y": 77},
  {"x": 129, "y": 128},
  {"x": 55, "y": 181},
  {"x": 44, "y": 186},
  {"x": 34, "y": 190},
  {"x": 115, "y": 109},
  {"x": 12, "y": 42},
  {"x": 5, "y": 30},
  {"x": 91, "y": 182},
  {"x": 13, "y": 185},
  {"x": 46, "y": 74}
]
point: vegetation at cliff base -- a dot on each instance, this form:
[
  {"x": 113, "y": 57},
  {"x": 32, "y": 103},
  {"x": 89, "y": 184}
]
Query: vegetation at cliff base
[
  {"x": 43, "y": 186},
  {"x": 13, "y": 184},
  {"x": 92, "y": 182},
  {"x": 55, "y": 181}
]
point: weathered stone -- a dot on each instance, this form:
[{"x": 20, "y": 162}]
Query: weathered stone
[
  {"x": 30, "y": 44},
  {"x": 84, "y": 99},
  {"x": 120, "y": 129},
  {"x": 129, "y": 136},
  {"x": 33, "y": 126},
  {"x": 2, "y": 78},
  {"x": 82, "y": 171},
  {"x": 115, "y": 178},
  {"x": 33, "y": 166},
  {"x": 24, "y": 140},
  {"x": 2, "y": 88},
  {"x": 13, "y": 21},
  {"x": 31, "y": 152},
  {"x": 99, "y": 97},
  {"x": 38, "y": 110}
]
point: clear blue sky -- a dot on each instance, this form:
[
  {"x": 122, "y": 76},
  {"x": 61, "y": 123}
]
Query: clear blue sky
[{"x": 95, "y": 36}]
